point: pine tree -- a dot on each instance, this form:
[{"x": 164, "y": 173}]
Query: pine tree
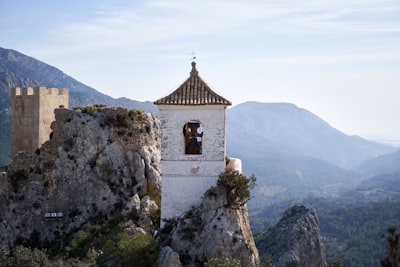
[{"x": 392, "y": 258}]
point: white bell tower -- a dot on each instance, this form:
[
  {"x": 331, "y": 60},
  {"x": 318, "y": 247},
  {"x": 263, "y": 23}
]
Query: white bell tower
[{"x": 192, "y": 144}]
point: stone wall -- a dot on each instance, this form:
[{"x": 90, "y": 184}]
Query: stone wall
[{"x": 32, "y": 111}]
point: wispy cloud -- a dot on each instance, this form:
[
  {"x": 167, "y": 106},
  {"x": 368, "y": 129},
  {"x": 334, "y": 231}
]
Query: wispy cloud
[{"x": 158, "y": 23}]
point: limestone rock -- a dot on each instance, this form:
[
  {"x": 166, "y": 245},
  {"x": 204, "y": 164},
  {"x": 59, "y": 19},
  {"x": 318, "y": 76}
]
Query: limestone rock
[
  {"x": 148, "y": 209},
  {"x": 168, "y": 258},
  {"x": 213, "y": 230},
  {"x": 99, "y": 163},
  {"x": 134, "y": 230},
  {"x": 133, "y": 206},
  {"x": 296, "y": 237}
]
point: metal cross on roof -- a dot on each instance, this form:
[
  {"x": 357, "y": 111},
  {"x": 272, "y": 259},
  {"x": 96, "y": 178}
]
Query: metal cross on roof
[{"x": 193, "y": 56}]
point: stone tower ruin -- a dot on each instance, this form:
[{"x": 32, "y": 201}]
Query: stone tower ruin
[
  {"x": 32, "y": 111},
  {"x": 192, "y": 144}
]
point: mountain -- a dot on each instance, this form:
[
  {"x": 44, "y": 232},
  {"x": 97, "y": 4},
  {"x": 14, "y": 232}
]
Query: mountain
[
  {"x": 287, "y": 129},
  {"x": 19, "y": 70},
  {"x": 384, "y": 164},
  {"x": 383, "y": 180},
  {"x": 293, "y": 152}
]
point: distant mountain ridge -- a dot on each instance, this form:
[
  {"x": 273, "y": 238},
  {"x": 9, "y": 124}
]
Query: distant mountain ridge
[
  {"x": 293, "y": 152},
  {"x": 19, "y": 70},
  {"x": 288, "y": 129},
  {"x": 383, "y": 164}
]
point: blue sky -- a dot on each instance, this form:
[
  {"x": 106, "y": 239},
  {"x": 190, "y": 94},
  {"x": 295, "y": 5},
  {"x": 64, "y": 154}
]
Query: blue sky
[{"x": 339, "y": 59}]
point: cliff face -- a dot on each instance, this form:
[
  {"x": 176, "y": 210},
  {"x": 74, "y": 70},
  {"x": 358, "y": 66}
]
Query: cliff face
[
  {"x": 215, "y": 229},
  {"x": 100, "y": 162},
  {"x": 104, "y": 163},
  {"x": 296, "y": 237}
]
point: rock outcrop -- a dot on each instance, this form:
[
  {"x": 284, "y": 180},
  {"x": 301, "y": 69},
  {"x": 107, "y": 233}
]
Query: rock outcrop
[
  {"x": 103, "y": 164},
  {"x": 296, "y": 238},
  {"x": 214, "y": 230},
  {"x": 100, "y": 162}
]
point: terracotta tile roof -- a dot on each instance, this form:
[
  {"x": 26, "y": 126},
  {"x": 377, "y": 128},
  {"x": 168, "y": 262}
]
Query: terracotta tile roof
[{"x": 194, "y": 91}]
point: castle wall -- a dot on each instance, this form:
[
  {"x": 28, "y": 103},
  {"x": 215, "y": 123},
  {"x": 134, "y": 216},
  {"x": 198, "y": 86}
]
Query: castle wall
[
  {"x": 25, "y": 116},
  {"x": 49, "y": 99},
  {"x": 185, "y": 178},
  {"x": 32, "y": 112}
]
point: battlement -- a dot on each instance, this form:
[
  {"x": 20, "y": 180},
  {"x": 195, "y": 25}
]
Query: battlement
[
  {"x": 32, "y": 110},
  {"x": 39, "y": 90}
]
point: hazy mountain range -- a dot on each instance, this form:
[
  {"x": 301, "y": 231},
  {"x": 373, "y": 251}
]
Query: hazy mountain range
[
  {"x": 19, "y": 70},
  {"x": 292, "y": 151}
]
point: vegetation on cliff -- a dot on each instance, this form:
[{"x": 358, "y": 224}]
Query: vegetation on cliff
[{"x": 237, "y": 186}]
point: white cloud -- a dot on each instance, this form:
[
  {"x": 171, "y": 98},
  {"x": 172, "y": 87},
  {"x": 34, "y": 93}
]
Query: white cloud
[{"x": 158, "y": 23}]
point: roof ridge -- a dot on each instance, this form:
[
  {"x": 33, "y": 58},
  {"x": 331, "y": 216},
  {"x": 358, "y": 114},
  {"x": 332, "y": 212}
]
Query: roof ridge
[{"x": 193, "y": 91}]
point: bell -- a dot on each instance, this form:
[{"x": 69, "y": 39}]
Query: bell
[{"x": 193, "y": 143}]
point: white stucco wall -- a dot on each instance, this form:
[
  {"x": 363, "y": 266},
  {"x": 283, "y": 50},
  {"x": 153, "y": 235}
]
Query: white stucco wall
[
  {"x": 185, "y": 178},
  {"x": 180, "y": 194},
  {"x": 173, "y": 118}
]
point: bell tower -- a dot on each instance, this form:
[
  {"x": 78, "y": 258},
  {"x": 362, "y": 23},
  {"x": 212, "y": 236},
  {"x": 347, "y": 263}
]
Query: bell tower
[{"x": 192, "y": 143}]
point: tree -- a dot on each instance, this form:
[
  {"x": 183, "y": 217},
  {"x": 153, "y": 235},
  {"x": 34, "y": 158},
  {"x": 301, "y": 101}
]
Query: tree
[
  {"x": 392, "y": 258},
  {"x": 224, "y": 262},
  {"x": 237, "y": 186},
  {"x": 336, "y": 263}
]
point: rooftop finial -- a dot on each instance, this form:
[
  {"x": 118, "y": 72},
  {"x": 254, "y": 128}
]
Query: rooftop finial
[
  {"x": 194, "y": 70},
  {"x": 193, "y": 56}
]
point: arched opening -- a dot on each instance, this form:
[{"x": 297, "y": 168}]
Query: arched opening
[{"x": 193, "y": 133}]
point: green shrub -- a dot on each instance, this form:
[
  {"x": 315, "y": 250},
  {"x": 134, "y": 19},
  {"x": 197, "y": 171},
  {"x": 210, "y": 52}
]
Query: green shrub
[
  {"x": 293, "y": 263},
  {"x": 24, "y": 256},
  {"x": 336, "y": 263},
  {"x": 135, "y": 114},
  {"x": 121, "y": 249},
  {"x": 89, "y": 110},
  {"x": 237, "y": 186},
  {"x": 121, "y": 121},
  {"x": 224, "y": 262},
  {"x": 100, "y": 105}
]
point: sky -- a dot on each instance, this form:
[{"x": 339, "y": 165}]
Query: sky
[{"x": 339, "y": 59}]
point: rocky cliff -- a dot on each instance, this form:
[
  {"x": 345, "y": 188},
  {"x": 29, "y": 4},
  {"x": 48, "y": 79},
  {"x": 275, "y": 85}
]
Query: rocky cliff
[
  {"x": 103, "y": 164},
  {"x": 19, "y": 70},
  {"x": 100, "y": 163},
  {"x": 213, "y": 230},
  {"x": 296, "y": 238}
]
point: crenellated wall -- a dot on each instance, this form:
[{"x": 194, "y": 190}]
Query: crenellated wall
[{"x": 32, "y": 111}]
